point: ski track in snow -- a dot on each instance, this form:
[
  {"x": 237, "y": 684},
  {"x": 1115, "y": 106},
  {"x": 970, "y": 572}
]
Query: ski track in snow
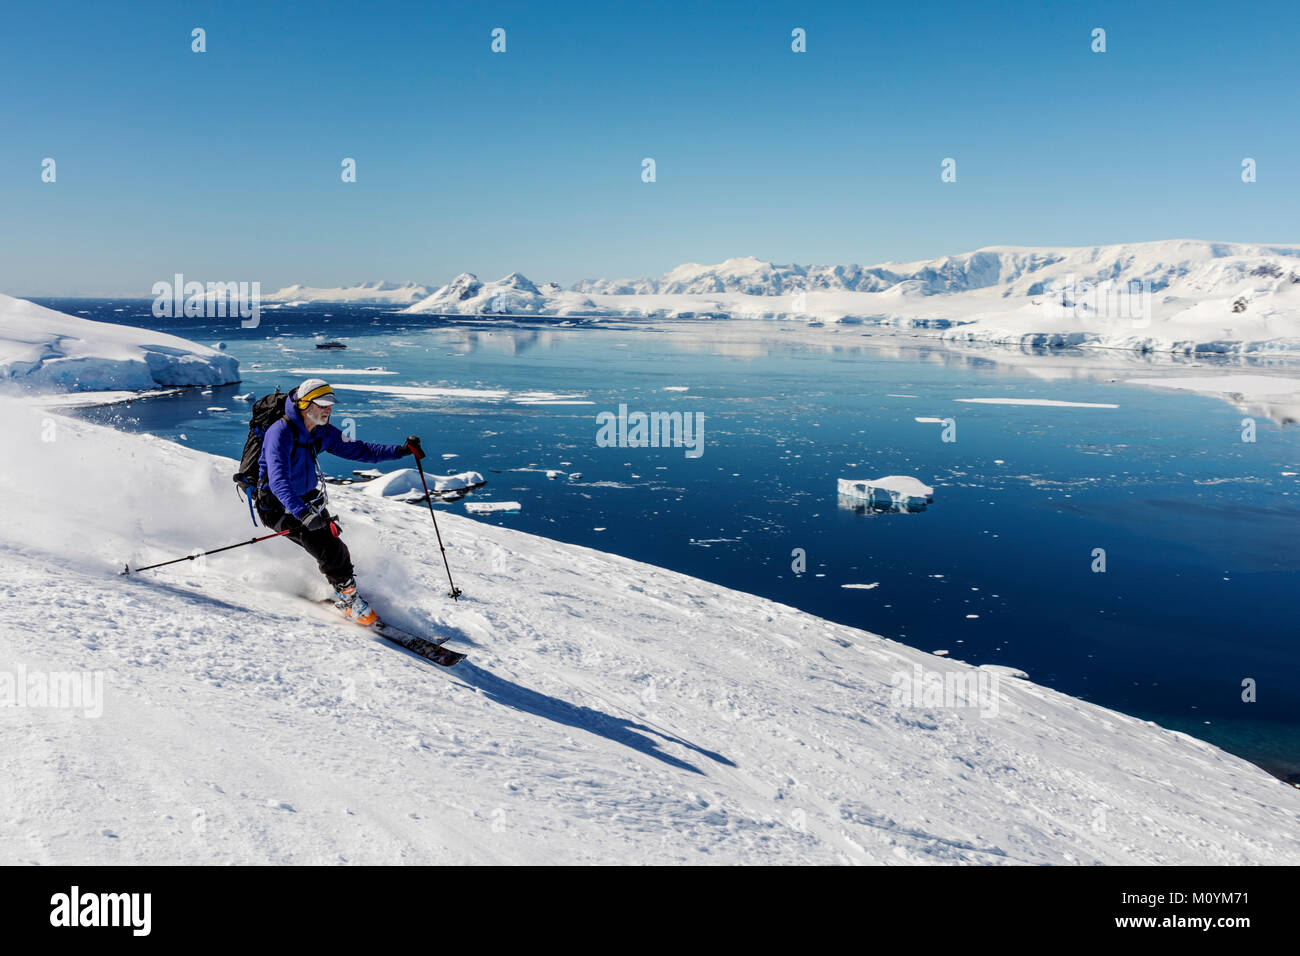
[{"x": 609, "y": 711}]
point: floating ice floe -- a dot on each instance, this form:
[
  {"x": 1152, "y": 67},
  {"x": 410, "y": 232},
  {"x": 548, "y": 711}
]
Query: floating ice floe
[
  {"x": 1043, "y": 402},
  {"x": 551, "y": 398},
  {"x": 419, "y": 391},
  {"x": 406, "y": 481},
  {"x": 898, "y": 493},
  {"x": 487, "y": 507}
]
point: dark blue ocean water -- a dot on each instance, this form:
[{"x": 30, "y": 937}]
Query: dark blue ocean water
[{"x": 1198, "y": 527}]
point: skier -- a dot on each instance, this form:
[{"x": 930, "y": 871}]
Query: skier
[{"x": 290, "y": 492}]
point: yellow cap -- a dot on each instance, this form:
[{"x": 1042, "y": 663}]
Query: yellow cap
[{"x": 315, "y": 390}]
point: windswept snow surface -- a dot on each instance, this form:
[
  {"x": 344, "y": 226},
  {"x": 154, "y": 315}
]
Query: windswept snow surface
[
  {"x": 609, "y": 711},
  {"x": 42, "y": 350}
]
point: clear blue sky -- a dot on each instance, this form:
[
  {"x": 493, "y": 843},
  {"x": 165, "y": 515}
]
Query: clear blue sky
[{"x": 225, "y": 165}]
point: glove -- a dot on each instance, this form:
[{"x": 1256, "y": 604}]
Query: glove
[
  {"x": 313, "y": 519},
  {"x": 412, "y": 447}
]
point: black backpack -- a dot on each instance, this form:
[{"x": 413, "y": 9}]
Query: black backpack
[{"x": 267, "y": 410}]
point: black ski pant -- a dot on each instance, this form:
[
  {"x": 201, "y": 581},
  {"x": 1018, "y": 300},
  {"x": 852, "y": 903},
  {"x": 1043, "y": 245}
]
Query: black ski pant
[{"x": 325, "y": 546}]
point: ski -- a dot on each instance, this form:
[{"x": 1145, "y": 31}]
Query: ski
[{"x": 429, "y": 650}]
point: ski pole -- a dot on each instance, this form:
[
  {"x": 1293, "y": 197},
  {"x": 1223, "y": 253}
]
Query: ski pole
[
  {"x": 191, "y": 557},
  {"x": 455, "y": 591}
]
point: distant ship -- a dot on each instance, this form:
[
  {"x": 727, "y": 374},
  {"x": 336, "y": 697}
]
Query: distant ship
[{"x": 330, "y": 345}]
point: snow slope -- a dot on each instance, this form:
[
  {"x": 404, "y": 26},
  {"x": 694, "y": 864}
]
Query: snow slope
[
  {"x": 43, "y": 350},
  {"x": 609, "y": 711}
]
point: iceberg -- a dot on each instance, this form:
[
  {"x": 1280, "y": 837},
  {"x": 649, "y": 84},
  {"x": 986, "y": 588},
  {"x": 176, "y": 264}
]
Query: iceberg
[
  {"x": 488, "y": 507},
  {"x": 899, "y": 493},
  {"x": 406, "y": 481}
]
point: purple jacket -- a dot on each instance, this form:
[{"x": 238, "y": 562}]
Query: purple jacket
[{"x": 287, "y": 465}]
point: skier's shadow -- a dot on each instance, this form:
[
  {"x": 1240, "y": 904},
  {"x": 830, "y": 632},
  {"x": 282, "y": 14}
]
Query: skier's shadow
[
  {"x": 617, "y": 729},
  {"x": 184, "y": 590}
]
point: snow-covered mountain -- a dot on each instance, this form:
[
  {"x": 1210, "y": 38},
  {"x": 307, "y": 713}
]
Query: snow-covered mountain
[
  {"x": 1013, "y": 271},
  {"x": 609, "y": 712},
  {"x": 367, "y": 293},
  {"x": 45, "y": 350},
  {"x": 1175, "y": 295},
  {"x": 514, "y": 294},
  {"x": 1017, "y": 270},
  {"x": 1195, "y": 295}
]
